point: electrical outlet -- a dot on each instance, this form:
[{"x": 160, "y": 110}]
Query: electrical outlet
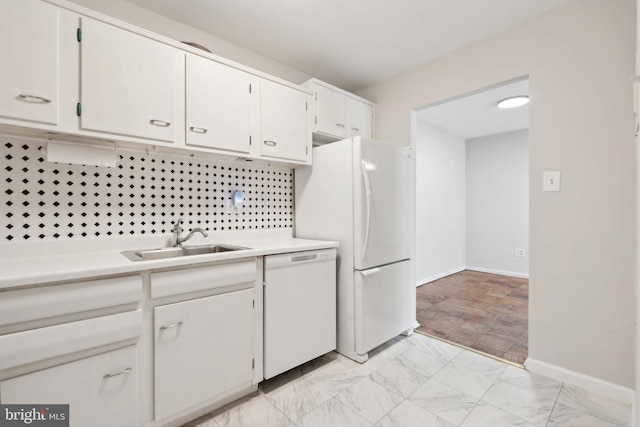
[{"x": 520, "y": 252}]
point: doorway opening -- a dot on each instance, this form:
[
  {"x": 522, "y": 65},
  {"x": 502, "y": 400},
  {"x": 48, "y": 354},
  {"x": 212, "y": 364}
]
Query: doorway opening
[{"x": 472, "y": 221}]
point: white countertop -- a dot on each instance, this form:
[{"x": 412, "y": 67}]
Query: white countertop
[{"x": 38, "y": 263}]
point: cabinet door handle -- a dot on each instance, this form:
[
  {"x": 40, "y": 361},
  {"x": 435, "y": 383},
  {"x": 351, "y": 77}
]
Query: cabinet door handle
[
  {"x": 160, "y": 123},
  {"x": 355, "y": 129},
  {"x": 171, "y": 326},
  {"x": 340, "y": 125},
  {"x": 270, "y": 143},
  {"x": 197, "y": 129},
  {"x": 115, "y": 374},
  {"x": 33, "y": 99}
]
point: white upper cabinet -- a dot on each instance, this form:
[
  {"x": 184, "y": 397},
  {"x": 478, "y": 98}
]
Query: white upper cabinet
[
  {"x": 76, "y": 72},
  {"x": 360, "y": 118},
  {"x": 30, "y": 70},
  {"x": 283, "y": 123},
  {"x": 129, "y": 84},
  {"x": 331, "y": 112},
  {"x": 222, "y": 106},
  {"x": 339, "y": 114}
]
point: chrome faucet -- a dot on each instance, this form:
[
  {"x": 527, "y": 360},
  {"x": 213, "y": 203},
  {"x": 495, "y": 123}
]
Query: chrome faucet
[{"x": 178, "y": 240}]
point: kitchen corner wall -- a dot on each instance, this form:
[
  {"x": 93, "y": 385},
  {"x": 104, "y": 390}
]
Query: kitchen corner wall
[
  {"x": 144, "y": 194},
  {"x": 580, "y": 60}
]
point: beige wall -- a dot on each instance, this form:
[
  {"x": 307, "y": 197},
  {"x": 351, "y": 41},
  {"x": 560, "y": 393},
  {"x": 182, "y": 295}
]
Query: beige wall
[
  {"x": 580, "y": 59},
  {"x": 136, "y": 15}
]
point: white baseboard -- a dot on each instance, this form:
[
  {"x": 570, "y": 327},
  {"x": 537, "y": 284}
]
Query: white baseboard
[
  {"x": 500, "y": 272},
  {"x": 440, "y": 275},
  {"x": 595, "y": 385}
]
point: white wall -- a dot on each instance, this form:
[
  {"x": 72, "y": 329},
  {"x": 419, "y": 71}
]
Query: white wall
[
  {"x": 440, "y": 204},
  {"x": 497, "y": 203},
  {"x": 143, "y": 18},
  {"x": 579, "y": 59}
]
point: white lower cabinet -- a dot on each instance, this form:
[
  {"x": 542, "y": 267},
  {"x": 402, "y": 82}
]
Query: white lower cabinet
[
  {"x": 101, "y": 390},
  {"x": 203, "y": 348}
]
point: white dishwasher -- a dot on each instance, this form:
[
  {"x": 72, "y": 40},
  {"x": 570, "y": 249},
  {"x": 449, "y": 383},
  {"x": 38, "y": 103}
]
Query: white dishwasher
[{"x": 299, "y": 308}]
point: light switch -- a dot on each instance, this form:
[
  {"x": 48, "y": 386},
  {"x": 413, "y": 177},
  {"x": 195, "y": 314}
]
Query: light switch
[{"x": 551, "y": 181}]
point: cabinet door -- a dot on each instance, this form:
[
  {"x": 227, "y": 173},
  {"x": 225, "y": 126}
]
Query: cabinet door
[
  {"x": 29, "y": 52},
  {"x": 331, "y": 112},
  {"x": 360, "y": 118},
  {"x": 129, "y": 84},
  {"x": 203, "y": 348},
  {"x": 283, "y": 122},
  {"x": 221, "y": 104},
  {"x": 101, "y": 390}
]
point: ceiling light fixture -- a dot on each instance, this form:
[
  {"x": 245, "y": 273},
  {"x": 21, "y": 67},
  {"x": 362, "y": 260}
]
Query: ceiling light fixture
[{"x": 514, "y": 101}]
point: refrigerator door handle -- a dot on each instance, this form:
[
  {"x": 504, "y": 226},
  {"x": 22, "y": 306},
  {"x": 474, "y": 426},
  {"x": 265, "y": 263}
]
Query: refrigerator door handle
[
  {"x": 370, "y": 272},
  {"x": 367, "y": 186}
]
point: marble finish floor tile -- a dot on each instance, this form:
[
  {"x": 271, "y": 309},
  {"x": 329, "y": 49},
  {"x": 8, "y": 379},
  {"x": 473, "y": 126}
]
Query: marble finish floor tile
[
  {"x": 470, "y": 373},
  {"x": 521, "y": 403},
  {"x": 332, "y": 413},
  {"x": 408, "y": 414},
  {"x": 485, "y": 415},
  {"x": 428, "y": 355},
  {"x": 566, "y": 416},
  {"x": 416, "y": 381},
  {"x": 535, "y": 383},
  {"x": 444, "y": 401},
  {"x": 369, "y": 399},
  {"x": 398, "y": 377},
  {"x": 257, "y": 411},
  {"x": 597, "y": 405},
  {"x": 297, "y": 397}
]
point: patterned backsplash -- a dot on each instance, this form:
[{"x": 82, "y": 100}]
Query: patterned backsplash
[{"x": 145, "y": 194}]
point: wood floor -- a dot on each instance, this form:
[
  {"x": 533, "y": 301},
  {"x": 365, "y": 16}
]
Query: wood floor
[{"x": 483, "y": 311}]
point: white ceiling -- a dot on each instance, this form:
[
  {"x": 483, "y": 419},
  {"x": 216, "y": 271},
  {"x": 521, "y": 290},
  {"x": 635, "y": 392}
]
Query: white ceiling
[
  {"x": 478, "y": 115},
  {"x": 351, "y": 43}
]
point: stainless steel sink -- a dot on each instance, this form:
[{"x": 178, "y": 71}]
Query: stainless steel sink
[{"x": 173, "y": 252}]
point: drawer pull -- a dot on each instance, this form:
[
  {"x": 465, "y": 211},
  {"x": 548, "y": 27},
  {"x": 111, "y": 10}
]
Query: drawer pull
[
  {"x": 197, "y": 130},
  {"x": 33, "y": 99},
  {"x": 171, "y": 326},
  {"x": 340, "y": 125},
  {"x": 160, "y": 123},
  {"x": 270, "y": 143},
  {"x": 115, "y": 374},
  {"x": 355, "y": 129}
]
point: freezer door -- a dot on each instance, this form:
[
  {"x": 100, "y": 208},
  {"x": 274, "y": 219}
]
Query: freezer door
[
  {"x": 382, "y": 305},
  {"x": 382, "y": 203}
]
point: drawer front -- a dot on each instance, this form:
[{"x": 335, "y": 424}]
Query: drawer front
[
  {"x": 35, "y": 345},
  {"x": 101, "y": 390},
  {"x": 39, "y": 303},
  {"x": 202, "y": 278}
]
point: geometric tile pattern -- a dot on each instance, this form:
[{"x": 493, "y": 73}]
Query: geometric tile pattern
[
  {"x": 417, "y": 381},
  {"x": 144, "y": 194}
]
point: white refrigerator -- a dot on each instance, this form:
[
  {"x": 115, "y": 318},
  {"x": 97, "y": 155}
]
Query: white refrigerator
[{"x": 358, "y": 192}]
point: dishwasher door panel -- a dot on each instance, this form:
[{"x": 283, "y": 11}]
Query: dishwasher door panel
[{"x": 299, "y": 309}]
